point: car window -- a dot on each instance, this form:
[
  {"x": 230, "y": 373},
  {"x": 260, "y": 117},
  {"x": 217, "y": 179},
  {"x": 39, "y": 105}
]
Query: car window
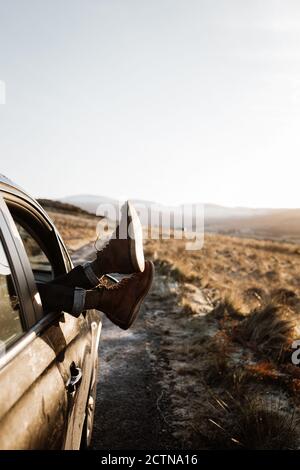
[
  {"x": 39, "y": 239},
  {"x": 44, "y": 253},
  {"x": 37, "y": 258},
  {"x": 10, "y": 319}
]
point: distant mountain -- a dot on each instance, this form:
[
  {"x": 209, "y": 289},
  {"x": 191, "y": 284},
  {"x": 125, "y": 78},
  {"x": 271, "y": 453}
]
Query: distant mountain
[
  {"x": 89, "y": 202},
  {"x": 212, "y": 211},
  {"x": 264, "y": 223},
  {"x": 62, "y": 207},
  {"x": 277, "y": 224}
]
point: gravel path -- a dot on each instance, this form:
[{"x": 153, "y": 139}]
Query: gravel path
[{"x": 131, "y": 406}]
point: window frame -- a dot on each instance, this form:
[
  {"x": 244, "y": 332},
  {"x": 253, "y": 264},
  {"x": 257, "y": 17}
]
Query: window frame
[
  {"x": 27, "y": 312},
  {"x": 61, "y": 261},
  {"x": 35, "y": 321},
  {"x": 34, "y": 210},
  {"x": 21, "y": 312},
  {"x": 43, "y": 225}
]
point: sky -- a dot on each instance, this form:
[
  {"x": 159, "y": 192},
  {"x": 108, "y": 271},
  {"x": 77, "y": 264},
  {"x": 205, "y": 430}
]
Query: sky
[{"x": 166, "y": 100}]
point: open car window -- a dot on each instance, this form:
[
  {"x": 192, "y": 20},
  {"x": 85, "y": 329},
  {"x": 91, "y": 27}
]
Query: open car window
[
  {"x": 40, "y": 241},
  {"x": 39, "y": 261}
]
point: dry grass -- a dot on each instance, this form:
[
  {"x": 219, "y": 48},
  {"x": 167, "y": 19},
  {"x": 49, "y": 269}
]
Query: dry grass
[
  {"x": 238, "y": 348},
  {"x": 267, "y": 330},
  {"x": 75, "y": 231},
  {"x": 231, "y": 265},
  {"x": 250, "y": 424},
  {"x": 227, "y": 317},
  {"x": 76, "y": 226}
]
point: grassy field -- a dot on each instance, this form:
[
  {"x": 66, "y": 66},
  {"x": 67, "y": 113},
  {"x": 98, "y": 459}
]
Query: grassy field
[
  {"x": 238, "y": 317},
  {"x": 76, "y": 226},
  {"x": 233, "y": 316}
]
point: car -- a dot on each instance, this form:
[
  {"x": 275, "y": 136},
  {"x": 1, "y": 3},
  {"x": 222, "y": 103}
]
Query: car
[{"x": 48, "y": 362}]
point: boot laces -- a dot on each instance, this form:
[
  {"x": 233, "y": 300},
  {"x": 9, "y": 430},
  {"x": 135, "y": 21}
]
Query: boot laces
[{"x": 123, "y": 283}]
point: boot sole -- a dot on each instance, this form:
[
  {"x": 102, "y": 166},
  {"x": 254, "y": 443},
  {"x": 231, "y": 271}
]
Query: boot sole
[
  {"x": 140, "y": 300},
  {"x": 135, "y": 233}
]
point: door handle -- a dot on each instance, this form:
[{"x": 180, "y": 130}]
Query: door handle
[{"x": 75, "y": 378}]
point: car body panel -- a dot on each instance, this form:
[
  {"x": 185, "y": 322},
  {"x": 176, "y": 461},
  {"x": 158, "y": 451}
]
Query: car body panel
[
  {"x": 33, "y": 413},
  {"x": 36, "y": 409}
]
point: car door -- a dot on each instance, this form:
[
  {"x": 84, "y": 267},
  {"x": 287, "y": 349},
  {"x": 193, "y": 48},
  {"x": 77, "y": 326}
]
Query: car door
[
  {"x": 32, "y": 405},
  {"x": 48, "y": 411}
]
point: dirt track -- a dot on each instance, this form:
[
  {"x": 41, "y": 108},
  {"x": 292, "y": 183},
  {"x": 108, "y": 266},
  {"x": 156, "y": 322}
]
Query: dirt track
[
  {"x": 131, "y": 407},
  {"x": 127, "y": 414},
  {"x": 149, "y": 388},
  {"x": 132, "y": 410}
]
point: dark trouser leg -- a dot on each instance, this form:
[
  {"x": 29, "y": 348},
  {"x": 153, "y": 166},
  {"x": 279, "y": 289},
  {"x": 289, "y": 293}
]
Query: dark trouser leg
[
  {"x": 57, "y": 298},
  {"x": 81, "y": 276}
]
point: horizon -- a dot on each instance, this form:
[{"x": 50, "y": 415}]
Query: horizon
[{"x": 168, "y": 205}]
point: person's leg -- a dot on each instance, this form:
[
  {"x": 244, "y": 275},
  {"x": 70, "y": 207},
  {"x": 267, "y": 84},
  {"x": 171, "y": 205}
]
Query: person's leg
[
  {"x": 121, "y": 302},
  {"x": 122, "y": 254},
  {"x": 80, "y": 276},
  {"x": 57, "y": 297}
]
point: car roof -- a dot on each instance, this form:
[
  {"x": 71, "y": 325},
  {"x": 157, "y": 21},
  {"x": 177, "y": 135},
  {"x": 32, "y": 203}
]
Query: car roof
[
  {"x": 8, "y": 185},
  {"x": 7, "y": 182}
]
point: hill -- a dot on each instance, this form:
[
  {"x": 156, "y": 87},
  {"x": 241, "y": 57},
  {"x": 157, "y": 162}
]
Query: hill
[{"x": 278, "y": 224}]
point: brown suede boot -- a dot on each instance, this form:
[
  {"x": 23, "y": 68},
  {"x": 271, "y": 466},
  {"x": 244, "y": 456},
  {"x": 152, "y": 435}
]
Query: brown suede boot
[
  {"x": 124, "y": 252},
  {"x": 122, "y": 301}
]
